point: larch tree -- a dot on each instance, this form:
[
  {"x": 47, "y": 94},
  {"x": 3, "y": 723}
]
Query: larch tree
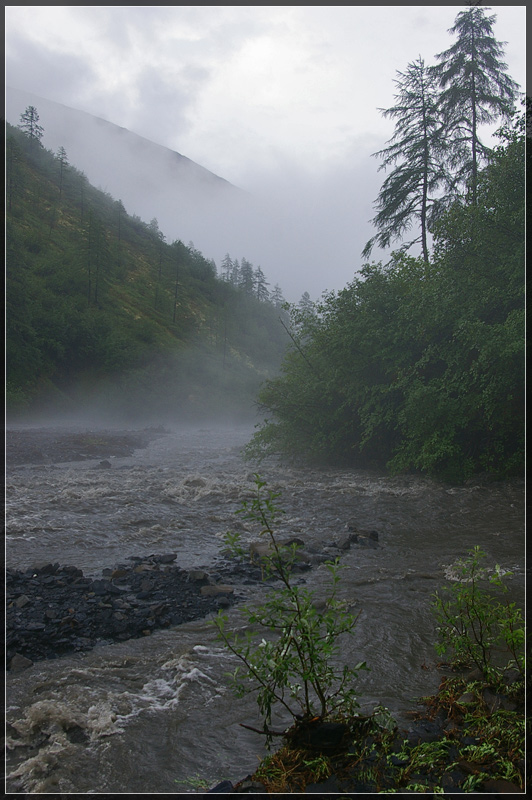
[
  {"x": 415, "y": 151},
  {"x": 226, "y": 268},
  {"x": 305, "y": 305},
  {"x": 96, "y": 252},
  {"x": 276, "y": 296},
  {"x": 247, "y": 276},
  {"x": 63, "y": 163},
  {"x": 120, "y": 209},
  {"x": 475, "y": 90},
  {"x": 29, "y": 123},
  {"x": 261, "y": 285},
  {"x": 235, "y": 273}
]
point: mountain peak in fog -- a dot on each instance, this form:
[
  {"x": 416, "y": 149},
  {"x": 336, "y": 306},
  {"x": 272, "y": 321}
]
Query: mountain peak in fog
[{"x": 189, "y": 201}]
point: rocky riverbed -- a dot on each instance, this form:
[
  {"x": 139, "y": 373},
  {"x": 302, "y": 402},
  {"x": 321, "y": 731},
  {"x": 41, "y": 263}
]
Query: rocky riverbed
[{"x": 53, "y": 609}]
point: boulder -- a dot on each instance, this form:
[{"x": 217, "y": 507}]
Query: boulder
[{"x": 18, "y": 663}]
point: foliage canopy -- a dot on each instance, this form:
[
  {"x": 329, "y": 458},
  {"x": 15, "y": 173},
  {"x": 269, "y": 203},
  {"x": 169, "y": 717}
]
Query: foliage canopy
[
  {"x": 436, "y": 150},
  {"x": 415, "y": 365}
]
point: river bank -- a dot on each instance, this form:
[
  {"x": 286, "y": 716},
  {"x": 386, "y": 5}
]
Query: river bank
[{"x": 469, "y": 738}]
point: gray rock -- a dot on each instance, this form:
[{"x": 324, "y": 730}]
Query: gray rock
[
  {"x": 467, "y": 697},
  {"x": 165, "y": 558},
  {"x": 18, "y": 663},
  {"x": 46, "y": 569},
  {"x": 249, "y": 786},
  {"x": 345, "y": 542},
  {"x": 198, "y": 575},
  {"x": 366, "y": 540},
  {"x": 225, "y": 787},
  {"x": 293, "y": 540}
]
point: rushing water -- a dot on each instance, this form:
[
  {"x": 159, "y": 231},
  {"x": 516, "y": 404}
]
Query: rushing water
[{"x": 153, "y": 715}]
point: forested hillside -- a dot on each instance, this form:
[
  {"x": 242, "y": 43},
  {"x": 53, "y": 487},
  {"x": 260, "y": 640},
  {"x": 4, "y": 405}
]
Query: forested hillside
[{"x": 104, "y": 315}]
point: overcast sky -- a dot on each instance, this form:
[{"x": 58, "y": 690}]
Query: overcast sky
[{"x": 279, "y": 100}]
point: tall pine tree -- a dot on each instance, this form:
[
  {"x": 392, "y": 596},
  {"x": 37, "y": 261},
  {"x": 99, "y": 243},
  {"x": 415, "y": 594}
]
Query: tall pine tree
[
  {"x": 261, "y": 285},
  {"x": 475, "y": 91},
  {"x": 247, "y": 276},
  {"x": 416, "y": 149},
  {"x": 29, "y": 123}
]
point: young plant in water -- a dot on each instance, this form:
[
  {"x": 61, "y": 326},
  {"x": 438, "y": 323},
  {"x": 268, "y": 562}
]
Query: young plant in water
[
  {"x": 288, "y": 652},
  {"x": 474, "y": 624}
]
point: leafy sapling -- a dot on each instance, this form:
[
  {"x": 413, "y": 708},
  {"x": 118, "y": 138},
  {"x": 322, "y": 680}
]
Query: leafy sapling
[
  {"x": 289, "y": 651},
  {"x": 475, "y": 625}
]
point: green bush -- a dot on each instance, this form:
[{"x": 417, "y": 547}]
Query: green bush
[{"x": 475, "y": 625}]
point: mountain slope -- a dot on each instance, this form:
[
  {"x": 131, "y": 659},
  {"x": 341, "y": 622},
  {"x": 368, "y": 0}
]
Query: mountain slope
[
  {"x": 103, "y": 314},
  {"x": 189, "y": 201}
]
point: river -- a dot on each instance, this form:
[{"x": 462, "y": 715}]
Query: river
[{"x": 156, "y": 715}]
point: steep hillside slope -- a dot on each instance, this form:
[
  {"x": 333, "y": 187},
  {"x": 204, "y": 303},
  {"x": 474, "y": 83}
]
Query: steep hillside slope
[
  {"x": 190, "y": 202},
  {"x": 103, "y": 314}
]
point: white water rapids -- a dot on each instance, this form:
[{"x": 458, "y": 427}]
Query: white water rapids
[{"x": 156, "y": 715}]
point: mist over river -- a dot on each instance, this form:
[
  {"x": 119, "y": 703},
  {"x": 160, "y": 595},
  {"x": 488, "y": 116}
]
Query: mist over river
[{"x": 151, "y": 715}]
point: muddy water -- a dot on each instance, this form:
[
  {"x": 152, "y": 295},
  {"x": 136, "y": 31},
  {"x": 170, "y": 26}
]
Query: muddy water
[{"x": 156, "y": 715}]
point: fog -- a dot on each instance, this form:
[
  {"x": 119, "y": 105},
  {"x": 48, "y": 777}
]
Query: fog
[
  {"x": 304, "y": 228},
  {"x": 191, "y": 386}
]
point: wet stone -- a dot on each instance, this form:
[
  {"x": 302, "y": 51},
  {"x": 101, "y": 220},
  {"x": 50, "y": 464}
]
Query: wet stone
[
  {"x": 57, "y": 610},
  {"x": 18, "y": 663},
  {"x": 221, "y": 788}
]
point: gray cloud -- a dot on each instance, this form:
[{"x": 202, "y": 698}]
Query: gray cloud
[
  {"x": 166, "y": 101},
  {"x": 62, "y": 77},
  {"x": 282, "y": 101}
]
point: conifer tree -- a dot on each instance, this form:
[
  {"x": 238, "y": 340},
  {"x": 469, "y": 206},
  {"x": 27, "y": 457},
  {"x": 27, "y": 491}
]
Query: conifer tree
[
  {"x": 476, "y": 91},
  {"x": 305, "y": 305},
  {"x": 247, "y": 277},
  {"x": 226, "y": 268},
  {"x": 235, "y": 273},
  {"x": 276, "y": 296},
  {"x": 63, "y": 163},
  {"x": 120, "y": 213},
  {"x": 261, "y": 285},
  {"x": 153, "y": 227},
  {"x": 29, "y": 123},
  {"x": 416, "y": 151}
]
